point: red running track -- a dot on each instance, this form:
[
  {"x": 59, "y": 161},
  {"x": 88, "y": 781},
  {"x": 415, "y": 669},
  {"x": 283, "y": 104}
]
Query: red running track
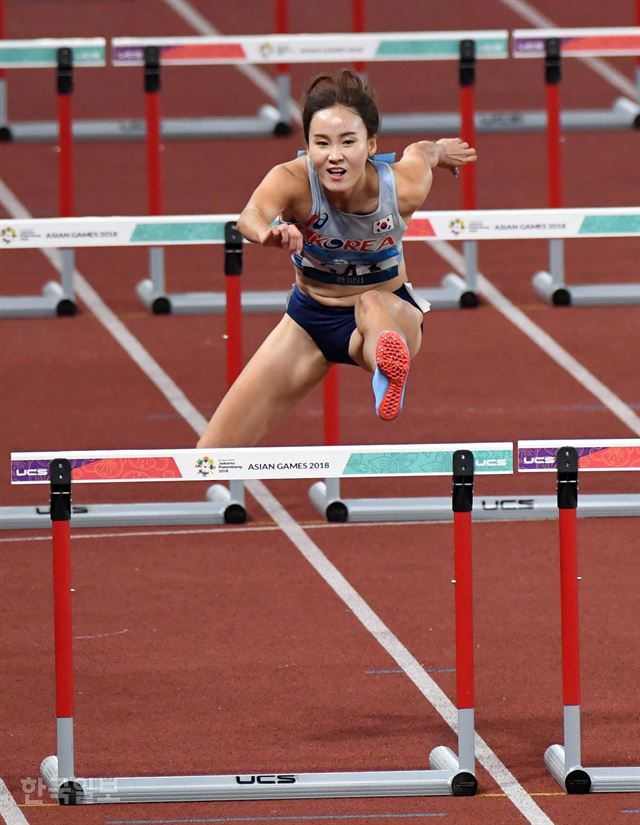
[{"x": 222, "y": 650}]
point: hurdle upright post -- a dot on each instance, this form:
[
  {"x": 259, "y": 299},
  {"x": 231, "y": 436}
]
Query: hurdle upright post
[
  {"x": 283, "y": 73},
  {"x": 576, "y": 781},
  {"x": 552, "y": 78},
  {"x": 637, "y": 122},
  {"x": 358, "y": 27},
  {"x": 60, "y": 512},
  {"x": 160, "y": 304},
  {"x": 335, "y": 509},
  {"x": 64, "y": 85},
  {"x": 5, "y": 131},
  {"x": 462, "y": 505},
  {"x": 467, "y": 80},
  {"x": 233, "y": 269}
]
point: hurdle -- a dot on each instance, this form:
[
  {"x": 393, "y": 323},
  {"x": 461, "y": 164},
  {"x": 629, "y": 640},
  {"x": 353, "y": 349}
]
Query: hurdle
[
  {"x": 222, "y": 505},
  {"x": 486, "y": 225},
  {"x": 449, "y": 774},
  {"x": 63, "y": 55},
  {"x": 568, "y": 459},
  {"x": 553, "y": 45},
  {"x": 153, "y": 53}
]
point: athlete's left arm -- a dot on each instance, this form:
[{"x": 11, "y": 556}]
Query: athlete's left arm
[{"x": 414, "y": 171}]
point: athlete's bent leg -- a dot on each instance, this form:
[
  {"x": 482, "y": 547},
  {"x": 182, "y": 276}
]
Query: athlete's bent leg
[
  {"x": 387, "y": 335},
  {"x": 286, "y": 367}
]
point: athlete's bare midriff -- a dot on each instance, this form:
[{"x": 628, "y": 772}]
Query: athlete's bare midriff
[{"x": 345, "y": 296}]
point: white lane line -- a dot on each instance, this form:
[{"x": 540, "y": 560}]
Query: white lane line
[
  {"x": 596, "y": 64},
  {"x": 9, "y": 810},
  {"x": 441, "y": 703},
  {"x": 104, "y": 635},
  {"x": 543, "y": 340}
]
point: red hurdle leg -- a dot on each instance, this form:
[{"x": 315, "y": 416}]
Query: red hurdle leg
[
  {"x": 467, "y": 79},
  {"x": 576, "y": 780},
  {"x": 331, "y": 401},
  {"x": 462, "y": 505},
  {"x": 60, "y": 475},
  {"x": 357, "y": 26},
  {"x": 233, "y": 286}
]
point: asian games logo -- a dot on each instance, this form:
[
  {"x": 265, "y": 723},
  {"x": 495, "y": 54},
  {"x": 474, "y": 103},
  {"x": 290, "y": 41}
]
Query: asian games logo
[
  {"x": 266, "y": 51},
  {"x": 456, "y": 226},
  {"x": 205, "y": 466},
  {"x": 8, "y": 235}
]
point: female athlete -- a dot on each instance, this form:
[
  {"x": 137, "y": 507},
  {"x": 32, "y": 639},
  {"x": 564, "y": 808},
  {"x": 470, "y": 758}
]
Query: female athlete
[{"x": 341, "y": 214}]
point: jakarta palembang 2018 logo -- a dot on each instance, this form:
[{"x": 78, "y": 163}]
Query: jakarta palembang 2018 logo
[
  {"x": 205, "y": 466},
  {"x": 456, "y": 226},
  {"x": 8, "y": 235}
]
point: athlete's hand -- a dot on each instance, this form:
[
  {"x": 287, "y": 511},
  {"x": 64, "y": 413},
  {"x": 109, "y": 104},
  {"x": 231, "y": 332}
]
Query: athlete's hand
[
  {"x": 455, "y": 153},
  {"x": 283, "y": 236}
]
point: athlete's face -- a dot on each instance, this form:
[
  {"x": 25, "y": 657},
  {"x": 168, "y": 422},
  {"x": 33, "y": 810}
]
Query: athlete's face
[{"x": 339, "y": 147}]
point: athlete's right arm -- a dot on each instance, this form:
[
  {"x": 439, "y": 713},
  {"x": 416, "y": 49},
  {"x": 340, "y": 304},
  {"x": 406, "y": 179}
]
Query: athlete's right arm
[{"x": 278, "y": 193}]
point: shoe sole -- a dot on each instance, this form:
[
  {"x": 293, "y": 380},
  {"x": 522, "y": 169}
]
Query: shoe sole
[{"x": 392, "y": 359}]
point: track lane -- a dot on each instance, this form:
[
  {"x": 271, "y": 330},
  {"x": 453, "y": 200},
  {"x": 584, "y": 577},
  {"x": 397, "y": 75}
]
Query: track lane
[{"x": 571, "y": 800}]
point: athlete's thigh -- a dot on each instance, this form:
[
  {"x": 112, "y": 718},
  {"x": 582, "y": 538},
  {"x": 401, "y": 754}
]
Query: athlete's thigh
[
  {"x": 283, "y": 370},
  {"x": 287, "y": 363}
]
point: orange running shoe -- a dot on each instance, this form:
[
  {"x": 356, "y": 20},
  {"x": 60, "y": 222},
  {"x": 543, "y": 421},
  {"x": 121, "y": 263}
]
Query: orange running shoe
[{"x": 390, "y": 378}]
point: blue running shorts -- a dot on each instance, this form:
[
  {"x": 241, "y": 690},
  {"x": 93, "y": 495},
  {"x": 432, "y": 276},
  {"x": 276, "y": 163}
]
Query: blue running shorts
[{"x": 331, "y": 327}]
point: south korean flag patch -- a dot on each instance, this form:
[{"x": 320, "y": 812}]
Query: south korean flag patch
[{"x": 383, "y": 225}]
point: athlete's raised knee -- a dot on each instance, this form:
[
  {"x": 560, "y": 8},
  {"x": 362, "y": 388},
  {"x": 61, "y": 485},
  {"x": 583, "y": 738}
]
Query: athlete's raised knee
[{"x": 371, "y": 304}]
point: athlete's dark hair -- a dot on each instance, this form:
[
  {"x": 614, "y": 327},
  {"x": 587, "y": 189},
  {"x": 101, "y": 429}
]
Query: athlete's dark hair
[{"x": 345, "y": 88}]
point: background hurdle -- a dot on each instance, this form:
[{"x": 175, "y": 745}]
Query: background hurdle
[
  {"x": 63, "y": 54},
  {"x": 450, "y": 774},
  {"x": 553, "y": 45},
  {"x": 222, "y": 505},
  {"x": 463, "y": 46},
  {"x": 565, "y": 761}
]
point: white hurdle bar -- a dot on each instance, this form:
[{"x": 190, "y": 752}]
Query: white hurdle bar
[
  {"x": 568, "y": 459},
  {"x": 449, "y": 774},
  {"x": 458, "y": 225},
  {"x": 270, "y": 49}
]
